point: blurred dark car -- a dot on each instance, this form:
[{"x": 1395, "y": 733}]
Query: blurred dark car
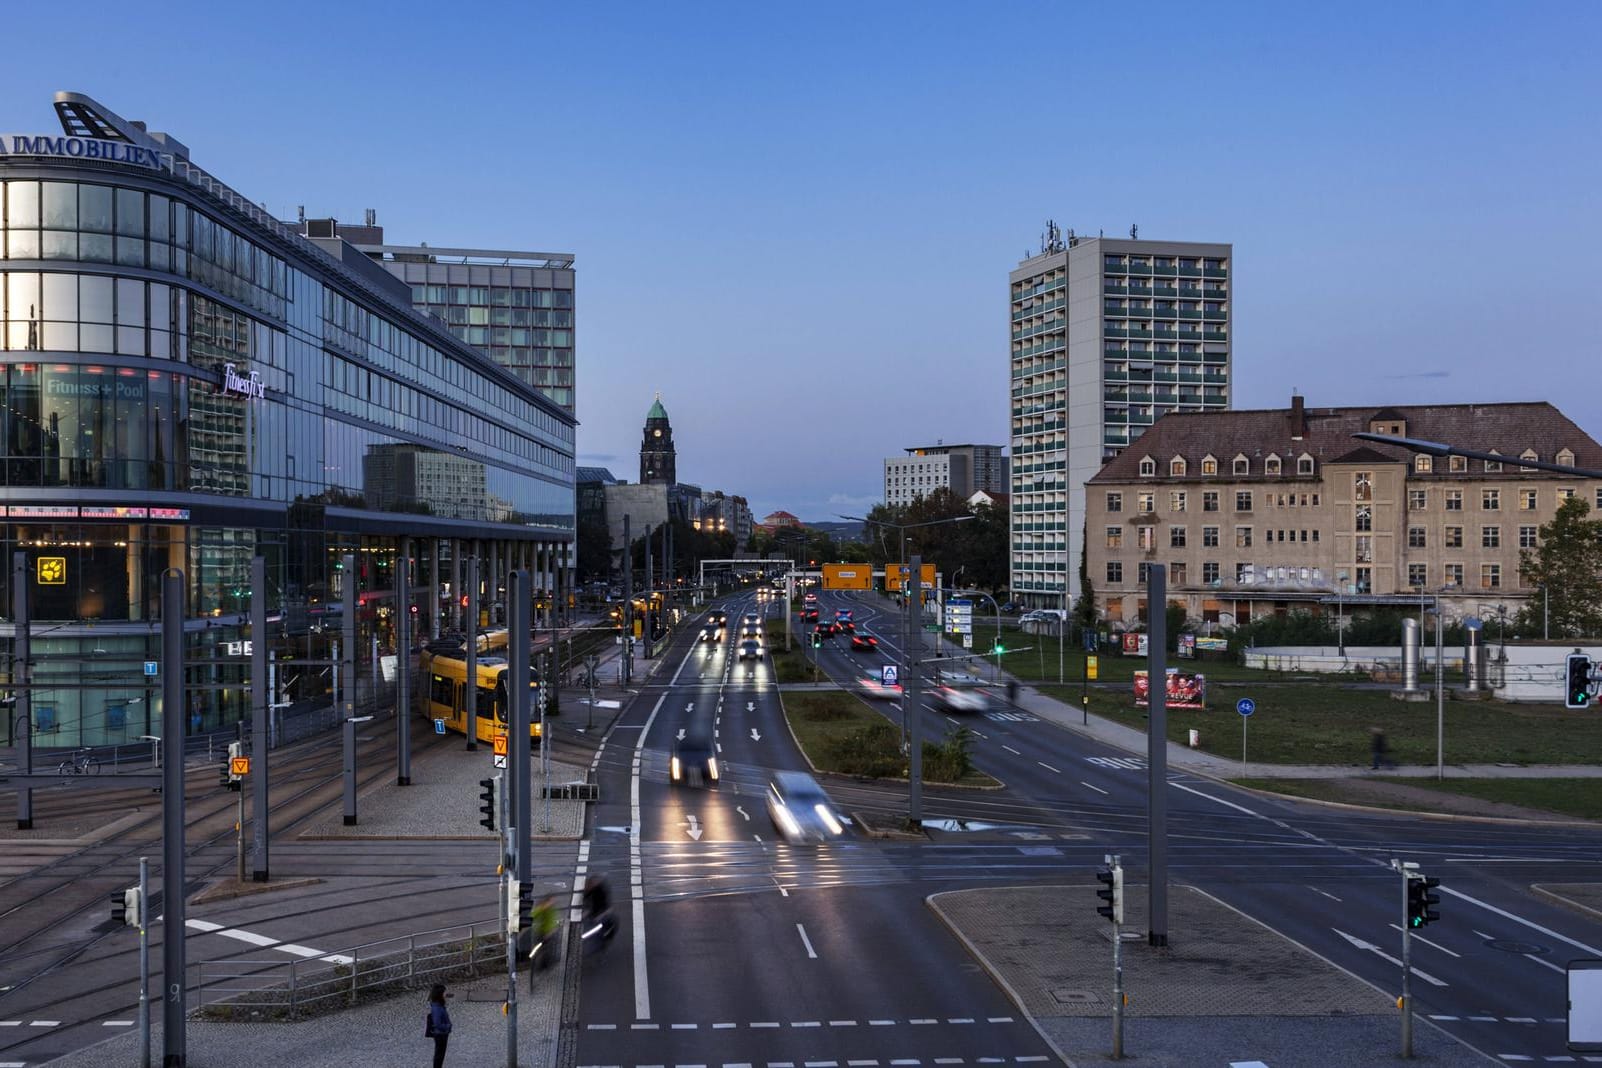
[
  {"x": 809, "y": 615},
  {"x": 750, "y": 649},
  {"x": 718, "y": 617},
  {"x": 862, "y": 641},
  {"x": 694, "y": 762},
  {"x": 709, "y": 633}
]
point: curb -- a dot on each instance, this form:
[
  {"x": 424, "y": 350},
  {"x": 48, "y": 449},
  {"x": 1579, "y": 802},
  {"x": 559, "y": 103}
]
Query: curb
[
  {"x": 996, "y": 976},
  {"x": 228, "y": 890},
  {"x": 1567, "y": 902}
]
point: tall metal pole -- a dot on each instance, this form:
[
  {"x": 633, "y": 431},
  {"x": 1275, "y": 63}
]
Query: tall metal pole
[
  {"x": 144, "y": 962},
  {"x": 1440, "y": 693},
  {"x": 914, "y": 696},
  {"x": 1115, "y": 862},
  {"x": 628, "y": 604},
  {"x": 519, "y": 649},
  {"x": 22, "y": 674},
  {"x": 1157, "y": 751},
  {"x": 403, "y": 663},
  {"x": 650, "y": 587},
  {"x": 347, "y": 693},
  {"x": 260, "y": 714},
  {"x": 470, "y": 683},
  {"x": 172, "y": 819},
  {"x": 1407, "y": 968}
]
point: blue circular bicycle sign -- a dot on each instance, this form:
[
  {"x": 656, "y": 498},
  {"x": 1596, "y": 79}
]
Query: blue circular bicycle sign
[{"x": 1245, "y": 706}]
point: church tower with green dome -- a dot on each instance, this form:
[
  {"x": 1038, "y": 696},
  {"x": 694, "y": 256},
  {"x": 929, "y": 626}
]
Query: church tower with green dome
[{"x": 657, "y": 457}]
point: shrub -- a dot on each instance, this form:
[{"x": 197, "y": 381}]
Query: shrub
[{"x": 873, "y": 750}]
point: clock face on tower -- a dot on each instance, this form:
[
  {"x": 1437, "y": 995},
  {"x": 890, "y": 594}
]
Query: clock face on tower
[{"x": 658, "y": 433}]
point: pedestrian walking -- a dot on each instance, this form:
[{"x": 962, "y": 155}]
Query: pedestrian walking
[
  {"x": 545, "y": 921},
  {"x": 1377, "y": 743},
  {"x": 439, "y": 1023}
]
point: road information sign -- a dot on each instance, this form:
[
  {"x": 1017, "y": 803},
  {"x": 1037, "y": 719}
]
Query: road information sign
[
  {"x": 239, "y": 765},
  {"x": 499, "y": 747},
  {"x": 848, "y": 576},
  {"x": 959, "y": 616},
  {"x": 499, "y": 760},
  {"x": 1245, "y": 706},
  {"x": 889, "y": 673},
  {"x": 151, "y": 667},
  {"x": 439, "y": 726}
]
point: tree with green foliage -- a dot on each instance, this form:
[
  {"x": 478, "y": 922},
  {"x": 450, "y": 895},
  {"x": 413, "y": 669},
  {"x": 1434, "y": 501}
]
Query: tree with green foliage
[{"x": 1567, "y": 564}]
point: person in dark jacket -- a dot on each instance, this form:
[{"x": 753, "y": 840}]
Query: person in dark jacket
[
  {"x": 1377, "y": 746},
  {"x": 439, "y": 1023}
]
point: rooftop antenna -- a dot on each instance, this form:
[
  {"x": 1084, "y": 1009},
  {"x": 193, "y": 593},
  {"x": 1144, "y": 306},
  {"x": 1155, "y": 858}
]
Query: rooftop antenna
[
  {"x": 300, "y": 213},
  {"x": 371, "y": 216},
  {"x": 1134, "y": 233}
]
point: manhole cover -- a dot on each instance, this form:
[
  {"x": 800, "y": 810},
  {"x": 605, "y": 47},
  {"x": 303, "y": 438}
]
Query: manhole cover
[
  {"x": 1073, "y": 997},
  {"x": 1508, "y": 946}
]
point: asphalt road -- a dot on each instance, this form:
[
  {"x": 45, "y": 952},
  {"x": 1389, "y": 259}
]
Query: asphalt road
[{"x": 725, "y": 912}]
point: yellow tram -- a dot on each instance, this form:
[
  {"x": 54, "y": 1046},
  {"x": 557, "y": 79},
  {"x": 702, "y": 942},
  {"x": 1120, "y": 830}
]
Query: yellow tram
[{"x": 445, "y": 697}]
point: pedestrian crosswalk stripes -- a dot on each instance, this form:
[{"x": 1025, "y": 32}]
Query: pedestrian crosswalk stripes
[
  {"x": 1013, "y": 717},
  {"x": 1125, "y": 763}
]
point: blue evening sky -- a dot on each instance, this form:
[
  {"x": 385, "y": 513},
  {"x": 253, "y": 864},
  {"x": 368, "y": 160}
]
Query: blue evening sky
[{"x": 796, "y": 220}]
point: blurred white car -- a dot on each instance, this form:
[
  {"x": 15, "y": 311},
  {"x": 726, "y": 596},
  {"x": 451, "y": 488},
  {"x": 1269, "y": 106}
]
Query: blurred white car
[
  {"x": 952, "y": 699},
  {"x": 800, "y": 810}
]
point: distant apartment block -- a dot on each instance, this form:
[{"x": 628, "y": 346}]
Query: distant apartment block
[
  {"x": 1108, "y": 335},
  {"x": 963, "y": 469}
]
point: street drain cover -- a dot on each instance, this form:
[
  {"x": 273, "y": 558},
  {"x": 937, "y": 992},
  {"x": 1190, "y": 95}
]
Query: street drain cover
[
  {"x": 1508, "y": 946},
  {"x": 1073, "y": 997}
]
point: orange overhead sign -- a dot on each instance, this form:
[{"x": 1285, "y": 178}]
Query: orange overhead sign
[
  {"x": 848, "y": 576},
  {"x": 893, "y": 575}
]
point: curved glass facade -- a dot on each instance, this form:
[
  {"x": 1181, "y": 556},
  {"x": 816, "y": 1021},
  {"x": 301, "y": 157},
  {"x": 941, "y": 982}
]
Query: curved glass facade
[{"x": 182, "y": 387}]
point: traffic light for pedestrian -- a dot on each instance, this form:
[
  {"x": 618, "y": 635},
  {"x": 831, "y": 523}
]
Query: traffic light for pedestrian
[
  {"x": 1420, "y": 897},
  {"x": 125, "y": 907},
  {"x": 1112, "y": 893},
  {"x": 1577, "y": 673},
  {"x": 489, "y": 791}
]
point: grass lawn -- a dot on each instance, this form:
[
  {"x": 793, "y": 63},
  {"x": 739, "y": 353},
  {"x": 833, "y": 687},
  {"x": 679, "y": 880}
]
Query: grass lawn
[
  {"x": 1323, "y": 723},
  {"x": 823, "y": 720},
  {"x": 1578, "y": 798},
  {"x": 1572, "y": 797}
]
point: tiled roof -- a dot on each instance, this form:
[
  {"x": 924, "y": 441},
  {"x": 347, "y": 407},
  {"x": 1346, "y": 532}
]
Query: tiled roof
[{"x": 1508, "y": 429}]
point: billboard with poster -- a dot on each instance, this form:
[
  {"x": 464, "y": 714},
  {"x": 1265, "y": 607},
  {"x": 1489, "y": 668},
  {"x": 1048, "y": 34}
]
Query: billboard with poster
[
  {"x": 1212, "y": 645},
  {"x": 1134, "y": 644},
  {"x": 1185, "y": 689},
  {"x": 1187, "y": 646}
]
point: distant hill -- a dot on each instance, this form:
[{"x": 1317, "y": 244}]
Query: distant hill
[{"x": 839, "y": 530}]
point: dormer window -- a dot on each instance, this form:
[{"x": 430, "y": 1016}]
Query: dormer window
[
  {"x": 1493, "y": 465},
  {"x": 1176, "y": 466},
  {"x": 1209, "y": 465},
  {"x": 1529, "y": 454},
  {"x": 1148, "y": 467},
  {"x": 1304, "y": 464},
  {"x": 1457, "y": 463},
  {"x": 1566, "y": 457},
  {"x": 1243, "y": 466},
  {"x": 1271, "y": 465},
  {"x": 1423, "y": 464}
]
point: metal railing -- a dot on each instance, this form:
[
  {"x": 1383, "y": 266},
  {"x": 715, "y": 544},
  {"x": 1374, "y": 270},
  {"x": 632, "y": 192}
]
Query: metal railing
[{"x": 260, "y": 990}]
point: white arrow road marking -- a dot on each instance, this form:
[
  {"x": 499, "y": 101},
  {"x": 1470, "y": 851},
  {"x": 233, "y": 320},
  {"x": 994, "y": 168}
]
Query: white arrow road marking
[
  {"x": 743, "y": 813},
  {"x": 755, "y": 737},
  {"x": 681, "y": 734},
  {"x": 750, "y": 706},
  {"x": 1372, "y": 948},
  {"x": 690, "y": 707},
  {"x": 695, "y": 828}
]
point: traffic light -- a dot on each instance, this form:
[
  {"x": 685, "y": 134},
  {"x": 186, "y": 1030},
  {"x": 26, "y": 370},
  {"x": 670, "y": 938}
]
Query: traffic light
[
  {"x": 1419, "y": 900},
  {"x": 997, "y": 649},
  {"x": 817, "y": 639},
  {"x": 119, "y": 908},
  {"x": 1578, "y": 675},
  {"x": 1112, "y": 892},
  {"x": 489, "y": 796}
]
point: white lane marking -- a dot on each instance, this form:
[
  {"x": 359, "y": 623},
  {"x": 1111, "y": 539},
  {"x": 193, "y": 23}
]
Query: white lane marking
[
  {"x": 1482, "y": 1019},
  {"x": 862, "y": 1064},
  {"x": 1332, "y": 897},
  {"x": 44, "y": 1023},
  {"x": 1449, "y": 1019},
  {"x": 1377, "y": 951},
  {"x": 250, "y": 937},
  {"x": 204, "y": 925},
  {"x": 821, "y": 1064},
  {"x": 1011, "y": 750},
  {"x": 948, "y": 1060},
  {"x": 10, "y": 1023},
  {"x": 923, "y": 1021},
  {"x": 116, "y": 1023},
  {"x": 1520, "y": 1019},
  {"x": 603, "y": 1027},
  {"x": 960, "y": 1019},
  {"x": 1519, "y": 919},
  {"x": 685, "y": 1027},
  {"x": 842, "y": 1023},
  {"x": 299, "y": 951},
  {"x": 1094, "y": 787},
  {"x": 1048, "y": 767},
  {"x": 1426, "y": 941},
  {"x": 1247, "y": 1064},
  {"x": 1220, "y": 800},
  {"x": 881, "y": 1023},
  {"x": 765, "y": 1023},
  {"x": 998, "y": 1019},
  {"x": 723, "y": 1026},
  {"x": 805, "y": 941},
  {"x": 644, "y": 1027},
  {"x": 805, "y": 1023}
]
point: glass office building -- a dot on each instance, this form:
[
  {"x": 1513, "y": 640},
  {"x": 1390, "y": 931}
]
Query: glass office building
[{"x": 189, "y": 383}]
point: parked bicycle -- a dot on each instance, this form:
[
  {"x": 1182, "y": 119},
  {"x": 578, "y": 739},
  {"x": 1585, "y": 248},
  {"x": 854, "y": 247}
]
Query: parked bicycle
[{"x": 80, "y": 763}]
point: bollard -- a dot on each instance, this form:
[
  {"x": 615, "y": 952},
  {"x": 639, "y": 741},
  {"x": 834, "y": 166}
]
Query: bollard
[{"x": 1195, "y": 738}]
